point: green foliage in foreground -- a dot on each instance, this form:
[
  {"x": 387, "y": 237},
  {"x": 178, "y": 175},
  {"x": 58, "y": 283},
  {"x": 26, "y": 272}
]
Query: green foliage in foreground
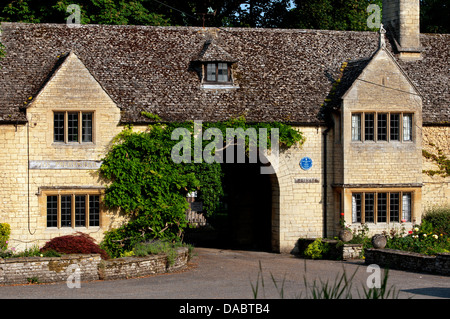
[{"x": 340, "y": 288}]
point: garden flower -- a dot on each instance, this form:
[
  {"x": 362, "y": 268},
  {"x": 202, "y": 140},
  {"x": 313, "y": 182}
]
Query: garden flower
[
  {"x": 416, "y": 229},
  {"x": 435, "y": 236},
  {"x": 415, "y": 236},
  {"x": 424, "y": 235}
]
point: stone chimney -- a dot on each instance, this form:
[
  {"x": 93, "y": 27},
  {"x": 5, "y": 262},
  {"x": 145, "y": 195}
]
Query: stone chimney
[{"x": 402, "y": 19}]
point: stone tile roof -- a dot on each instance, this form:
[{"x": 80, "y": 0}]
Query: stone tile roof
[{"x": 283, "y": 75}]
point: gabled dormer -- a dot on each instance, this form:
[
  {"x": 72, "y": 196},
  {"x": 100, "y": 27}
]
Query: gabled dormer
[{"x": 215, "y": 66}]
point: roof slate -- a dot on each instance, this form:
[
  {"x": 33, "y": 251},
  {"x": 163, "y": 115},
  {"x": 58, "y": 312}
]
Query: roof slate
[{"x": 283, "y": 75}]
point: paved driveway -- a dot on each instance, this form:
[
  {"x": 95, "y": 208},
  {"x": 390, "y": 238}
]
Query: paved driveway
[{"x": 225, "y": 274}]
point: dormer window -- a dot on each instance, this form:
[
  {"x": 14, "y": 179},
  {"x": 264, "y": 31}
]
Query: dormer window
[
  {"x": 218, "y": 72},
  {"x": 214, "y": 67}
]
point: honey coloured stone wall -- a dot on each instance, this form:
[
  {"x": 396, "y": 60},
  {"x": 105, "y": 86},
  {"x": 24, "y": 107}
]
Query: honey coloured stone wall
[
  {"x": 71, "y": 89},
  {"x": 436, "y": 186},
  {"x": 381, "y": 88},
  {"x": 301, "y": 212},
  {"x": 371, "y": 165}
]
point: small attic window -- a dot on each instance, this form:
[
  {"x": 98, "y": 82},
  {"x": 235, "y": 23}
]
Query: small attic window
[{"x": 217, "y": 72}]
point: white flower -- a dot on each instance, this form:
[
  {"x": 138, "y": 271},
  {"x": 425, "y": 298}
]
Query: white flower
[
  {"x": 424, "y": 235},
  {"x": 415, "y": 236},
  {"x": 416, "y": 229},
  {"x": 435, "y": 236}
]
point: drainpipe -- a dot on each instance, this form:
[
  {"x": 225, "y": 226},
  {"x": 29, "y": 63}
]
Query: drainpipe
[
  {"x": 325, "y": 183},
  {"x": 28, "y": 177}
]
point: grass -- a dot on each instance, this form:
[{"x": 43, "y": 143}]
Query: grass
[{"x": 159, "y": 247}]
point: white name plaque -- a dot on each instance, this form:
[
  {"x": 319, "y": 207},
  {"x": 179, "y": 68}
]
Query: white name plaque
[{"x": 64, "y": 164}]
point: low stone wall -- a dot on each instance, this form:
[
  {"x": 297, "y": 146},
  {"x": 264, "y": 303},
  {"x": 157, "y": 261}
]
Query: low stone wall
[
  {"x": 90, "y": 267},
  {"x": 129, "y": 267},
  {"x": 409, "y": 261},
  {"x": 47, "y": 269}
]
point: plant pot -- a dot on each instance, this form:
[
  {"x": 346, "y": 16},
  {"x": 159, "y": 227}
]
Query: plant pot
[{"x": 345, "y": 235}]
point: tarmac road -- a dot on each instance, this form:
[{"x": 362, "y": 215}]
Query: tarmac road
[{"x": 231, "y": 274}]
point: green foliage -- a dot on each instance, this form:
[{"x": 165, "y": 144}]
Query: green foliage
[
  {"x": 2, "y": 50},
  {"x": 157, "y": 247},
  {"x": 429, "y": 238},
  {"x": 5, "y": 231},
  {"x": 150, "y": 188},
  {"x": 340, "y": 288},
  {"x": 308, "y": 14},
  {"x": 434, "y": 16},
  {"x": 317, "y": 249},
  {"x": 438, "y": 219},
  {"x": 331, "y": 14},
  {"x": 92, "y": 12}
]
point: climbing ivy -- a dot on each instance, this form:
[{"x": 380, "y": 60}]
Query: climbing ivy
[
  {"x": 441, "y": 160},
  {"x": 150, "y": 188}
]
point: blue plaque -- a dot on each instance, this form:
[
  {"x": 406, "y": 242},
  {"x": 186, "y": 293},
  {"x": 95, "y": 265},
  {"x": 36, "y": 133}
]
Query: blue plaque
[{"x": 306, "y": 163}]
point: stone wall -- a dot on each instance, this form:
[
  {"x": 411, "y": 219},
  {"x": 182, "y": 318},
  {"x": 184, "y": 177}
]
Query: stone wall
[
  {"x": 409, "y": 261},
  {"x": 129, "y": 267},
  {"x": 436, "y": 188},
  {"x": 47, "y": 269},
  {"x": 91, "y": 267}
]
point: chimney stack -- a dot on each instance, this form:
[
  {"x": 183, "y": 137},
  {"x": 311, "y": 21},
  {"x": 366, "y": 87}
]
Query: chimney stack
[{"x": 402, "y": 19}]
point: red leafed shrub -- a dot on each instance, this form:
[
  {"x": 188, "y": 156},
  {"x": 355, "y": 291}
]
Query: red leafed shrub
[{"x": 78, "y": 243}]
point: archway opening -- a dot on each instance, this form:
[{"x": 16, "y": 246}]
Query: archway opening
[{"x": 248, "y": 216}]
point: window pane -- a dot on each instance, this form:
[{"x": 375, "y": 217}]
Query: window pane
[
  {"x": 72, "y": 127},
  {"x": 406, "y": 207},
  {"x": 58, "y": 127},
  {"x": 394, "y": 207},
  {"x": 395, "y": 127},
  {"x": 94, "y": 210},
  {"x": 407, "y": 127},
  {"x": 66, "y": 208},
  {"x": 211, "y": 72},
  {"x": 356, "y": 127},
  {"x": 80, "y": 210},
  {"x": 369, "y": 207},
  {"x": 222, "y": 72},
  {"x": 382, "y": 207},
  {"x": 52, "y": 211},
  {"x": 382, "y": 127},
  {"x": 87, "y": 127},
  {"x": 369, "y": 126},
  {"x": 356, "y": 208}
]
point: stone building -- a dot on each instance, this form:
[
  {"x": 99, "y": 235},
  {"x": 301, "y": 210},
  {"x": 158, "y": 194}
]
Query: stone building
[{"x": 368, "y": 103}]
